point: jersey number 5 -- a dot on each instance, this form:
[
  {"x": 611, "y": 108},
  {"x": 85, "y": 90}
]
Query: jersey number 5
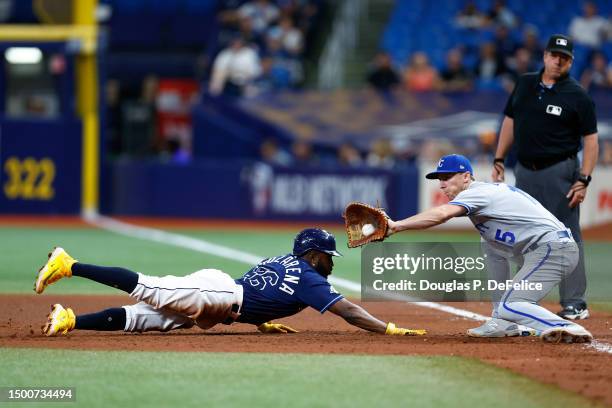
[{"x": 506, "y": 237}]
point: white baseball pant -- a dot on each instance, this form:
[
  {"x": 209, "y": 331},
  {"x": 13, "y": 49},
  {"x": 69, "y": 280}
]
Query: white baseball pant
[{"x": 204, "y": 298}]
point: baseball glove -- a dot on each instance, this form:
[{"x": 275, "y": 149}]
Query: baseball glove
[{"x": 356, "y": 215}]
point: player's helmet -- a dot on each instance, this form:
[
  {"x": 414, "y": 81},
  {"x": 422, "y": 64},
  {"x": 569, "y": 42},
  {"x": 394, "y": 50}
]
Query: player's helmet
[{"x": 317, "y": 239}]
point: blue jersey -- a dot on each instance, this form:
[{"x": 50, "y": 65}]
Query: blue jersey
[{"x": 282, "y": 286}]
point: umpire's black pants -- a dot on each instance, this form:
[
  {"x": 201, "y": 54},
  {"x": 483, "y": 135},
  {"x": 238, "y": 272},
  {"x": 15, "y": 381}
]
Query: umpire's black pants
[{"x": 550, "y": 186}]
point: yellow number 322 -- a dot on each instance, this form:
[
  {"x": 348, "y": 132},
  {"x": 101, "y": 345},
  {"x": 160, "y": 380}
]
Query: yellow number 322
[{"x": 29, "y": 179}]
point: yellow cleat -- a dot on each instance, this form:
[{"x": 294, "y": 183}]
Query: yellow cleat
[
  {"x": 59, "y": 322},
  {"x": 58, "y": 266}
]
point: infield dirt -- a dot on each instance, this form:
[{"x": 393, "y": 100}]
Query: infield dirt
[{"x": 572, "y": 367}]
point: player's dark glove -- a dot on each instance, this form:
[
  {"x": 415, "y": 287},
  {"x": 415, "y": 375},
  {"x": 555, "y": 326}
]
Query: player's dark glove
[{"x": 270, "y": 327}]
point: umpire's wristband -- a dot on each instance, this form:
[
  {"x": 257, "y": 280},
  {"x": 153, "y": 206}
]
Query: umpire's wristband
[{"x": 498, "y": 160}]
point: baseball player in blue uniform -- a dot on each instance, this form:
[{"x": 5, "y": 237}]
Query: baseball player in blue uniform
[
  {"x": 277, "y": 287},
  {"x": 512, "y": 225}
]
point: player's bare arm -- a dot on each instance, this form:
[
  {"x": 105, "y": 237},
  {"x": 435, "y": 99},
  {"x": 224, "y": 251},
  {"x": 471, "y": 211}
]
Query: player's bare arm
[
  {"x": 590, "y": 153},
  {"x": 506, "y": 138},
  {"x": 427, "y": 219},
  {"x": 577, "y": 192},
  {"x": 359, "y": 317}
]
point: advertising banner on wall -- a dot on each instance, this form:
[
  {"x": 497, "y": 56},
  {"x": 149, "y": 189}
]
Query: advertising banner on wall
[
  {"x": 253, "y": 190},
  {"x": 597, "y": 206},
  {"x": 314, "y": 193}
]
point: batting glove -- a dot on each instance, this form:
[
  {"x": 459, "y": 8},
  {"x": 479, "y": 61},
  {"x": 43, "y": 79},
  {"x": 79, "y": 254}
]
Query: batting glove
[
  {"x": 393, "y": 330},
  {"x": 270, "y": 327}
]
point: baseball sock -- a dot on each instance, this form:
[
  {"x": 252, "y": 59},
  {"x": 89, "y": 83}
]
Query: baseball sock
[
  {"x": 106, "y": 320},
  {"x": 119, "y": 278}
]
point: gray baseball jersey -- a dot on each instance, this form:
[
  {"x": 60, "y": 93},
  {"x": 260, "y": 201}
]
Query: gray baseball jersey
[{"x": 507, "y": 218}]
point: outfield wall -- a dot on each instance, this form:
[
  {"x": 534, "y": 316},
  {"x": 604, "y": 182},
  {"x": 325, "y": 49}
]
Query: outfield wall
[
  {"x": 41, "y": 174},
  {"x": 253, "y": 190}
]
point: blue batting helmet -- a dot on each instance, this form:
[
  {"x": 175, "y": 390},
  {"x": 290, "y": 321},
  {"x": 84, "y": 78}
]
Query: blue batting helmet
[{"x": 317, "y": 239}]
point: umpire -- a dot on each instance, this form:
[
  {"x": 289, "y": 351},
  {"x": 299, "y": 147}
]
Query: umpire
[{"x": 551, "y": 117}]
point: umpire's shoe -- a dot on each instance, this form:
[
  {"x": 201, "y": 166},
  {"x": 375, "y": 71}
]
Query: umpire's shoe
[
  {"x": 574, "y": 312},
  {"x": 58, "y": 266},
  {"x": 495, "y": 328},
  {"x": 567, "y": 334},
  {"x": 60, "y": 321}
]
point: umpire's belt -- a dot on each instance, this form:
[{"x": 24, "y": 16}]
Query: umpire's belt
[
  {"x": 541, "y": 164},
  {"x": 560, "y": 235}
]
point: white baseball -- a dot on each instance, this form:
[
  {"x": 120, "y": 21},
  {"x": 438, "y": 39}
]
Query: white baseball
[{"x": 367, "y": 230}]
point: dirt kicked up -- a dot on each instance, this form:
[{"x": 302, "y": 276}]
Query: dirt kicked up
[{"x": 572, "y": 367}]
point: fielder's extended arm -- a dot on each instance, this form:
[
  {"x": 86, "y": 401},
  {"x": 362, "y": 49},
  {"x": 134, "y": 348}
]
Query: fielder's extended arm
[{"x": 426, "y": 219}]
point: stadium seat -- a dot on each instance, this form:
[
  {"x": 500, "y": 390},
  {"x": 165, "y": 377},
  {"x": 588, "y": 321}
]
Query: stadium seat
[{"x": 401, "y": 38}]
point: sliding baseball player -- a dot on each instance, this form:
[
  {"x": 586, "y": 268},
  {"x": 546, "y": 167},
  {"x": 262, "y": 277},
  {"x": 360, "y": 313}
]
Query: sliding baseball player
[{"x": 277, "y": 287}]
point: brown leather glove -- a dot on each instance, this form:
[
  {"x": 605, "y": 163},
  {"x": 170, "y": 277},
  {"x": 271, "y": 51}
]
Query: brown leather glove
[{"x": 356, "y": 215}]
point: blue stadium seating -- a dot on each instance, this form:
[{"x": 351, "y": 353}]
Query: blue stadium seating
[{"x": 424, "y": 25}]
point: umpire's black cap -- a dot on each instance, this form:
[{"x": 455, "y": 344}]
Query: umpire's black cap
[{"x": 561, "y": 43}]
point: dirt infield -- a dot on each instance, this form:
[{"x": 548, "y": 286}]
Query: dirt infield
[{"x": 572, "y": 367}]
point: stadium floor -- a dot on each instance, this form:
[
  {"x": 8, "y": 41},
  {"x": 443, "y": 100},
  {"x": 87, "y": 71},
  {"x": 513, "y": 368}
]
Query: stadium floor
[{"x": 581, "y": 370}]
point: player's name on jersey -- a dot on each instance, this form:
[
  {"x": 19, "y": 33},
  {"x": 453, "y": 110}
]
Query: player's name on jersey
[{"x": 454, "y": 285}]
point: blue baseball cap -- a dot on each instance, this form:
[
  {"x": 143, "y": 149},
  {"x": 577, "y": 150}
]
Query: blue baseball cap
[{"x": 453, "y": 163}]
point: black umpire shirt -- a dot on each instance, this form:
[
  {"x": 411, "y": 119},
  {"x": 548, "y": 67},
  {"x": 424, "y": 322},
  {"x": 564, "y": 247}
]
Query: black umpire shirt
[{"x": 549, "y": 123}]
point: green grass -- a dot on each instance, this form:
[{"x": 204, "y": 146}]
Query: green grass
[
  {"x": 234, "y": 379},
  {"x": 23, "y": 251},
  {"x": 145, "y": 379}
]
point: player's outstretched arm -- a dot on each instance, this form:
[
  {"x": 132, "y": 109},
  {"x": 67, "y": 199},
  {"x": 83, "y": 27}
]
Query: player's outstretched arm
[
  {"x": 426, "y": 219},
  {"x": 358, "y": 316}
]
